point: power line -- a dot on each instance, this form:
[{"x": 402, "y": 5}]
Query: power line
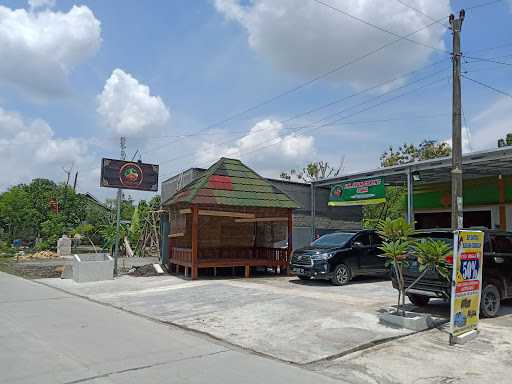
[
  {"x": 508, "y": 44},
  {"x": 311, "y": 127},
  {"x": 313, "y": 80},
  {"x": 318, "y": 121},
  {"x": 488, "y": 86},
  {"x": 421, "y": 13},
  {"x": 484, "y": 4},
  {"x": 312, "y": 110},
  {"x": 487, "y": 60},
  {"x": 331, "y": 123},
  {"x": 366, "y": 22},
  {"x": 328, "y": 104}
]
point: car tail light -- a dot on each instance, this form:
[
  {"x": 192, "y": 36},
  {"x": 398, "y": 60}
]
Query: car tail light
[{"x": 449, "y": 259}]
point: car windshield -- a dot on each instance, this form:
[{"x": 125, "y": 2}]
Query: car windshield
[
  {"x": 444, "y": 237},
  {"x": 336, "y": 239}
]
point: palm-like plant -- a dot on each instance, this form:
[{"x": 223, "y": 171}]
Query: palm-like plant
[
  {"x": 396, "y": 235},
  {"x": 431, "y": 255}
]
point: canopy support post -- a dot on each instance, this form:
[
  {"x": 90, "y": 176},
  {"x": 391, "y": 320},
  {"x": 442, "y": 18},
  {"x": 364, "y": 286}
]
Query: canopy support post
[
  {"x": 195, "y": 242},
  {"x": 410, "y": 203}
]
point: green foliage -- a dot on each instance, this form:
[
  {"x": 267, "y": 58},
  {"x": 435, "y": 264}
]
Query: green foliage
[
  {"x": 431, "y": 254},
  {"x": 408, "y": 153},
  {"x": 84, "y": 229},
  {"x": 395, "y": 229},
  {"x": 108, "y": 233},
  {"x": 154, "y": 202},
  {"x": 135, "y": 227},
  {"x": 42, "y": 246},
  {"x": 393, "y": 208},
  {"x": 52, "y": 229},
  {"x": 19, "y": 218},
  {"x": 6, "y": 250},
  {"x": 396, "y": 235}
]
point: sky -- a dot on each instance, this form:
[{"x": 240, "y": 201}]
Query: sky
[{"x": 275, "y": 83}]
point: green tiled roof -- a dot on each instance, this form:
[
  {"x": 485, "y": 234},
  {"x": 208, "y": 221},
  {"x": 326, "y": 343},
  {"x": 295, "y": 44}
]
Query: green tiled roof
[{"x": 230, "y": 182}]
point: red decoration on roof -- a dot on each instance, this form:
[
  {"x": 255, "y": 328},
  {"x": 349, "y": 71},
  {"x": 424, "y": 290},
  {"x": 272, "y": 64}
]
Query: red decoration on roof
[{"x": 220, "y": 182}]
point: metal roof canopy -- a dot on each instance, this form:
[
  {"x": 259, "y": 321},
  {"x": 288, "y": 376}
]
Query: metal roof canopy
[{"x": 474, "y": 165}]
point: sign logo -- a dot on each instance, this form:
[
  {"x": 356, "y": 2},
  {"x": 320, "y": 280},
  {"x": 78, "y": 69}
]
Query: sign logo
[
  {"x": 130, "y": 175},
  {"x": 358, "y": 192}
]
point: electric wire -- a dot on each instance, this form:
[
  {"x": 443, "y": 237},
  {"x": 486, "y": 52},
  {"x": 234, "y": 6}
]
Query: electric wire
[
  {"x": 366, "y": 22},
  {"x": 487, "y": 86},
  {"x": 310, "y": 127}
]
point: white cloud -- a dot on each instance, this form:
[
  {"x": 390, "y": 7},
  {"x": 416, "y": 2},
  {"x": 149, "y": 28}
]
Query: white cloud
[
  {"x": 40, "y": 48},
  {"x": 128, "y": 108},
  {"x": 467, "y": 140},
  {"x": 29, "y": 149},
  {"x": 265, "y": 147},
  {"x": 35, "y": 4},
  {"x": 493, "y": 123},
  {"x": 306, "y": 38}
]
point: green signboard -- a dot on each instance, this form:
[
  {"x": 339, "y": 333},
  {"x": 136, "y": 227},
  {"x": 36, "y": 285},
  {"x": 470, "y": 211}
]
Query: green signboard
[{"x": 358, "y": 192}]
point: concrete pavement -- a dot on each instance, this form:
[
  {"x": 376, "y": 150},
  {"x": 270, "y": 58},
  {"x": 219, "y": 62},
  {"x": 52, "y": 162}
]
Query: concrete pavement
[
  {"x": 48, "y": 336},
  {"x": 278, "y": 316}
]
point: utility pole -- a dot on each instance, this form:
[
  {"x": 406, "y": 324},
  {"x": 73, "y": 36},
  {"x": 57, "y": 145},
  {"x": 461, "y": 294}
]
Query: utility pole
[
  {"x": 118, "y": 207},
  {"x": 457, "y": 200},
  {"x": 74, "y": 183}
]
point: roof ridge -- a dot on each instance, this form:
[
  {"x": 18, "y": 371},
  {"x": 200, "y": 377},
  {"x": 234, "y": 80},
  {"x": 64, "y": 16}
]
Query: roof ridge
[{"x": 205, "y": 189}]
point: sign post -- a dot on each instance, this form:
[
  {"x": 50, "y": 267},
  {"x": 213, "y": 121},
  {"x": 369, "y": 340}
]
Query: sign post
[
  {"x": 123, "y": 174},
  {"x": 358, "y": 192},
  {"x": 466, "y": 285}
]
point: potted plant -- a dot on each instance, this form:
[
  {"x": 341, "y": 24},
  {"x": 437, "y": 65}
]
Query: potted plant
[
  {"x": 395, "y": 234},
  {"x": 431, "y": 255}
]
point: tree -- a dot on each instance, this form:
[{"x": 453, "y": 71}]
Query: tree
[
  {"x": 395, "y": 207},
  {"x": 408, "y": 153},
  {"x": 317, "y": 170},
  {"x": 18, "y": 214}
]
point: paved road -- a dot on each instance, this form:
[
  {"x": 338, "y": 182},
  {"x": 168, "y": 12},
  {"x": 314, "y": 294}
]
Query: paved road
[{"x": 48, "y": 336}]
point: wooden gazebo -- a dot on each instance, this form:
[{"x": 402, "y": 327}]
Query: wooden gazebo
[{"x": 229, "y": 217}]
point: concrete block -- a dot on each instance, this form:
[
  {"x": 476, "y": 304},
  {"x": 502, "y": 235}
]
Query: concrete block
[
  {"x": 64, "y": 246},
  {"x": 464, "y": 338},
  {"x": 413, "y": 321},
  {"x": 92, "y": 267}
]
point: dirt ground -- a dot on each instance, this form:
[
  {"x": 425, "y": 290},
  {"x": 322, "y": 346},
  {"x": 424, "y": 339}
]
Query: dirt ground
[{"x": 52, "y": 267}]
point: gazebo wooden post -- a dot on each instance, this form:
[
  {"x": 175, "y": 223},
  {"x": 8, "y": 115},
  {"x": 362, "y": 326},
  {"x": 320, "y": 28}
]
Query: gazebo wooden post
[
  {"x": 290, "y": 235},
  {"x": 195, "y": 241}
]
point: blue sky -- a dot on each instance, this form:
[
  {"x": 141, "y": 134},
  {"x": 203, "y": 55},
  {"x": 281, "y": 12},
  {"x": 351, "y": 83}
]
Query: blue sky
[{"x": 157, "y": 69}]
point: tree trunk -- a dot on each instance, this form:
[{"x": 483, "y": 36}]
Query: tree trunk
[{"x": 395, "y": 267}]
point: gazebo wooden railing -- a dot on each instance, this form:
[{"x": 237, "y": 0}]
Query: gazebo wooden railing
[{"x": 230, "y": 257}]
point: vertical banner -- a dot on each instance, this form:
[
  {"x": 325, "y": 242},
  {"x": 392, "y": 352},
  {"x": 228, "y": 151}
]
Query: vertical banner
[{"x": 466, "y": 281}]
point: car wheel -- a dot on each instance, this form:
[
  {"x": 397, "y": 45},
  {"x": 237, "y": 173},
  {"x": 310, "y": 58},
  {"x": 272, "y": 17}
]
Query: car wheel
[
  {"x": 342, "y": 275},
  {"x": 490, "y": 301},
  {"x": 418, "y": 300},
  {"x": 303, "y": 277}
]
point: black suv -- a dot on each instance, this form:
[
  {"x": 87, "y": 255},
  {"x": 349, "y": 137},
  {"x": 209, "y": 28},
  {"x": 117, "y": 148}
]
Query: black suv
[
  {"x": 339, "y": 256},
  {"x": 496, "y": 272}
]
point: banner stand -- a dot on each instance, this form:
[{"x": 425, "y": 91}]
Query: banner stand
[
  {"x": 464, "y": 338},
  {"x": 466, "y": 285}
]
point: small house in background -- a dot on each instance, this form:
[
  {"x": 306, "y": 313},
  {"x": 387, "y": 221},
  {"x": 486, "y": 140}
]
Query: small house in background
[{"x": 229, "y": 217}]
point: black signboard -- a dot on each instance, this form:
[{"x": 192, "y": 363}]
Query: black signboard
[{"x": 129, "y": 175}]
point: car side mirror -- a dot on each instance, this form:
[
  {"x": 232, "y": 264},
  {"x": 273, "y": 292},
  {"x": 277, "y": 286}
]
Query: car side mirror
[{"x": 357, "y": 244}]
